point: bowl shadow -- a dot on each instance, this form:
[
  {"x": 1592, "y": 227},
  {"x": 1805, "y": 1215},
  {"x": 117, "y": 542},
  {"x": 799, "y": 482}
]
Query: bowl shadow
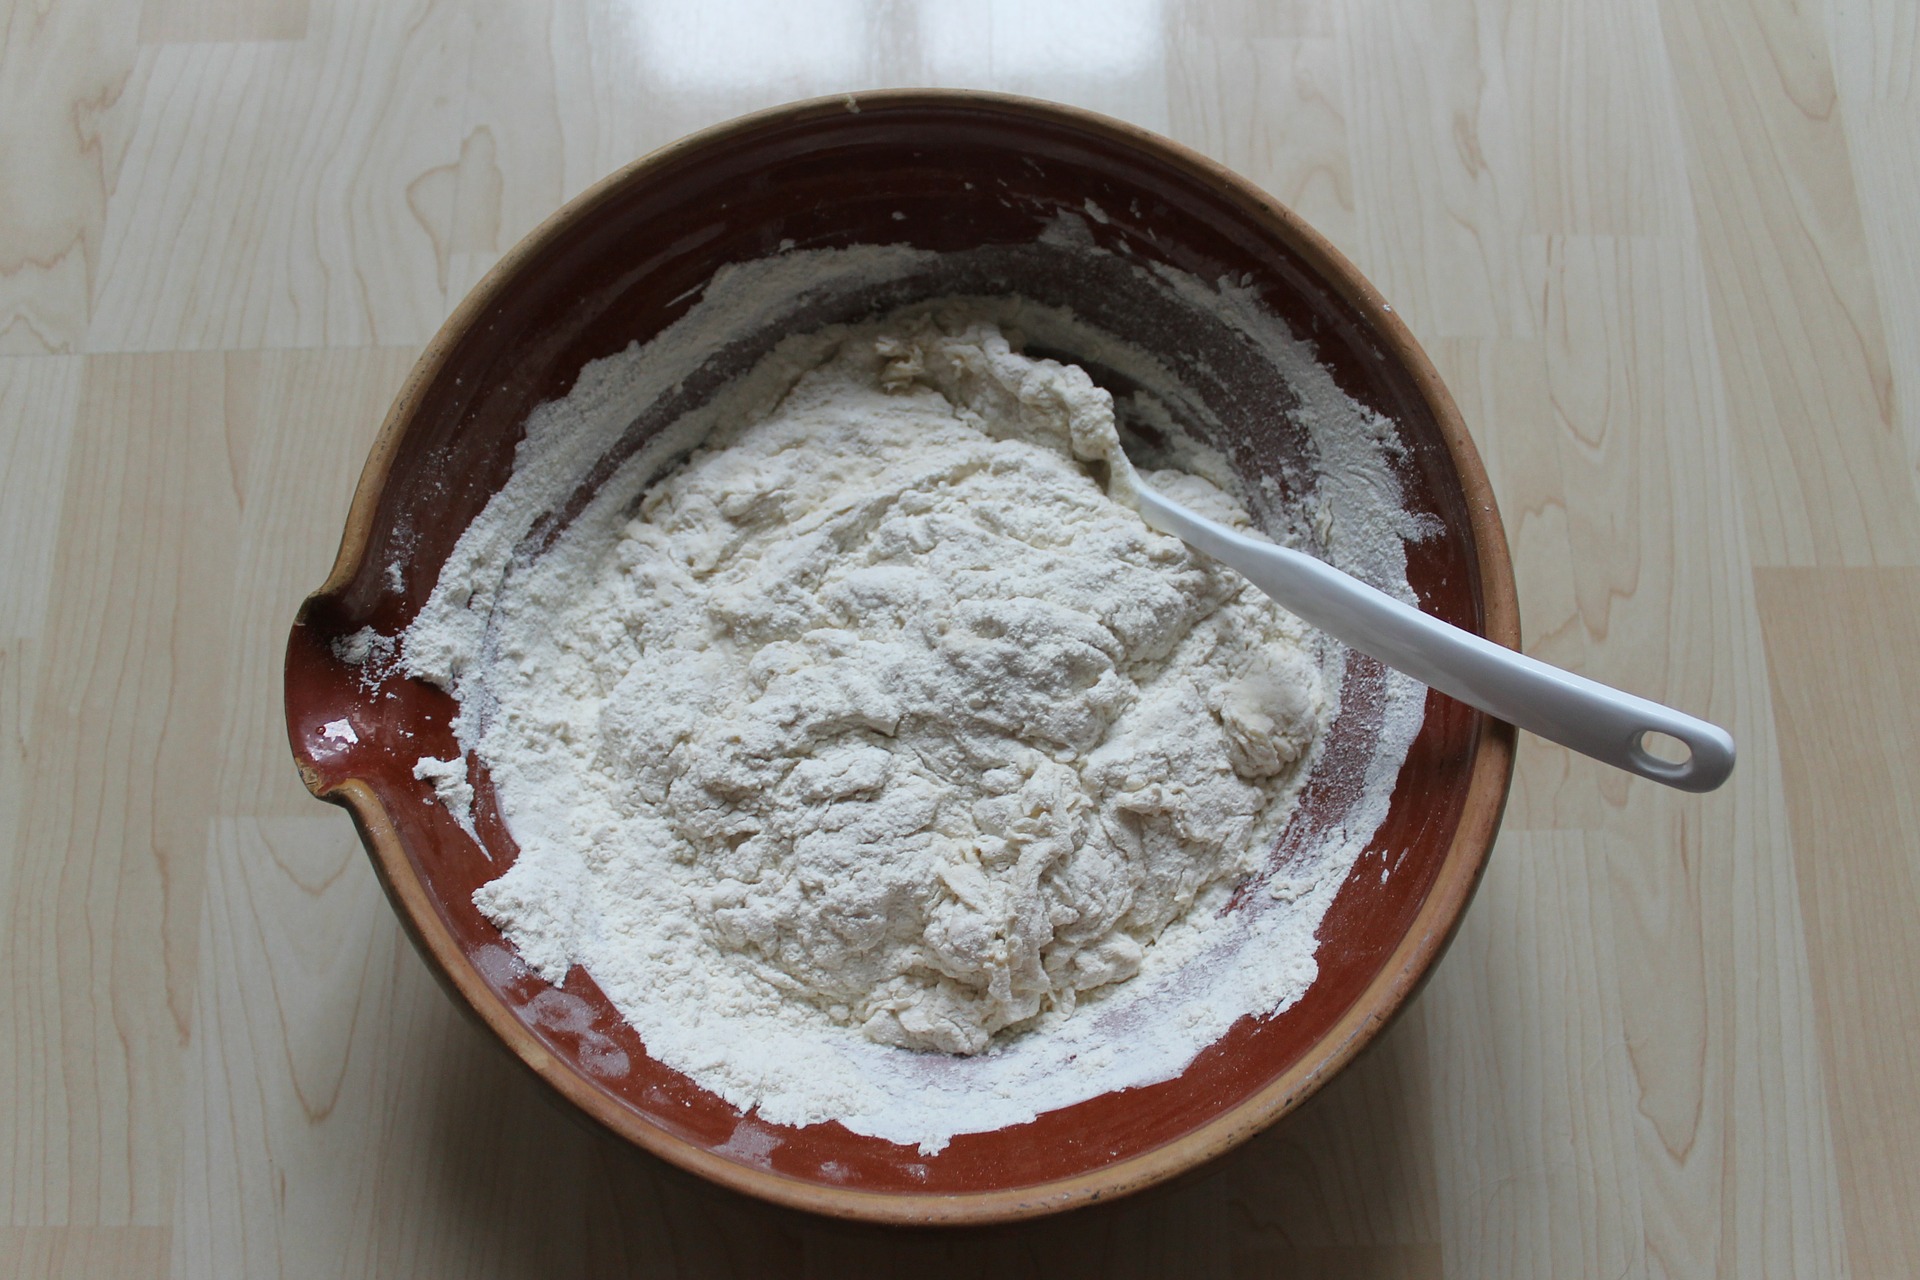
[{"x": 1343, "y": 1187}]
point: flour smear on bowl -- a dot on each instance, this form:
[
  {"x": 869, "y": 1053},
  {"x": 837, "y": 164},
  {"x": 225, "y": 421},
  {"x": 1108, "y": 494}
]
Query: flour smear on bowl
[{"x": 877, "y": 764}]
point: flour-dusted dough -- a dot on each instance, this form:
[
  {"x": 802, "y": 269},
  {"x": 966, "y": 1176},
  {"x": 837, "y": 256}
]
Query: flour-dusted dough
[
  {"x": 533, "y": 632},
  {"x": 921, "y": 728}
]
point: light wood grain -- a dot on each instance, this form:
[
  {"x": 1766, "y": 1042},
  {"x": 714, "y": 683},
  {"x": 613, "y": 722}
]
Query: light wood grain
[
  {"x": 1887, "y": 166},
  {"x": 39, "y": 405},
  {"x": 62, "y": 70},
  {"x": 281, "y": 179},
  {"x": 1854, "y": 801},
  {"x": 39, "y": 400},
  {"x": 1593, "y": 100},
  {"x": 106, "y": 884},
  {"x": 1438, "y": 181},
  {"x": 1273, "y": 108},
  {"x": 1534, "y": 1133},
  {"x": 83, "y": 1253},
  {"x": 1663, "y": 252},
  {"x": 1795, "y": 306},
  {"x": 180, "y": 21}
]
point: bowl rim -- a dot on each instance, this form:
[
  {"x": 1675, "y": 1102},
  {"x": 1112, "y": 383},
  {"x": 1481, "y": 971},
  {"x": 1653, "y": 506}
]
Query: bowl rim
[{"x": 1383, "y": 997}]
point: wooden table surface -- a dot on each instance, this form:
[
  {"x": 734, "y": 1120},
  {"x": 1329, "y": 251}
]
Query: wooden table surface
[{"x": 1667, "y": 254}]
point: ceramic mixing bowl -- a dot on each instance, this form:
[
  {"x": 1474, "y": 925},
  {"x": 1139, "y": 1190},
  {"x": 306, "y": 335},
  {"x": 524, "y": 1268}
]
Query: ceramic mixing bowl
[{"x": 950, "y": 172}]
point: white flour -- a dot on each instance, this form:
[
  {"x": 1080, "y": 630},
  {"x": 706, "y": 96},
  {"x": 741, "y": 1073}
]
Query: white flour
[
  {"x": 880, "y": 705},
  {"x": 451, "y": 788},
  {"x": 879, "y": 726}
]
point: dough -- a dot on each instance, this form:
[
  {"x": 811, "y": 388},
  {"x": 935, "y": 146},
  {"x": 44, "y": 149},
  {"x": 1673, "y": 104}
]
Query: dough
[{"x": 914, "y": 721}]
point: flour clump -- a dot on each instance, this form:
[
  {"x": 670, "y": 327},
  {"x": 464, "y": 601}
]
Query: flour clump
[{"x": 916, "y": 727}]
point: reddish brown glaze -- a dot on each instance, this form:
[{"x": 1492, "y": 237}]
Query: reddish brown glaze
[{"x": 625, "y": 260}]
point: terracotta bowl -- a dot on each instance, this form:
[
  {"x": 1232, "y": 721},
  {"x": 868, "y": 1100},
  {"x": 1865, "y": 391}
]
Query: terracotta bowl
[{"x": 944, "y": 171}]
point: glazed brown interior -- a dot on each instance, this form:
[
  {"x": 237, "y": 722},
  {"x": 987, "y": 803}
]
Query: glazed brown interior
[{"x": 945, "y": 172}]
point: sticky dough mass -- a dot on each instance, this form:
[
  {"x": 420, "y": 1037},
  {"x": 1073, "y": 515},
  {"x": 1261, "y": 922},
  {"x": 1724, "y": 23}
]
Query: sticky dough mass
[{"x": 934, "y": 734}]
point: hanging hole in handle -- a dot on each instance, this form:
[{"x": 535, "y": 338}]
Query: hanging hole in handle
[{"x": 1664, "y": 748}]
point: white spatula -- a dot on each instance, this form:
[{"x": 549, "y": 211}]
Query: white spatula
[{"x": 1572, "y": 710}]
